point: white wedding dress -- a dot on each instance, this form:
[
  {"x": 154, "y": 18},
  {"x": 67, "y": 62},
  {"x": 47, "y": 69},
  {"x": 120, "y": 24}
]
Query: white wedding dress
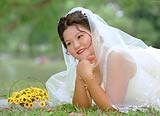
[{"x": 144, "y": 87}]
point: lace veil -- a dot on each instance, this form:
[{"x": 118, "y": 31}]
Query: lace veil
[{"x": 61, "y": 85}]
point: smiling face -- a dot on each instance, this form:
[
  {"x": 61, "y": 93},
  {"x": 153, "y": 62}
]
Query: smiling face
[{"x": 78, "y": 41}]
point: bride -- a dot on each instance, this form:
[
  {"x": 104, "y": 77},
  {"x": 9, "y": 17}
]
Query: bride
[{"x": 105, "y": 66}]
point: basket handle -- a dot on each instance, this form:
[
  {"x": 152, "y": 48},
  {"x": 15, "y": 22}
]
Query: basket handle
[{"x": 24, "y": 79}]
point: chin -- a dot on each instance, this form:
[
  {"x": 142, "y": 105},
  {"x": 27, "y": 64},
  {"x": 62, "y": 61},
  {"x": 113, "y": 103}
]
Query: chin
[{"x": 82, "y": 57}]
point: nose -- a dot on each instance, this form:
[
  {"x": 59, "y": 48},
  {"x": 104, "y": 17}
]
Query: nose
[{"x": 76, "y": 44}]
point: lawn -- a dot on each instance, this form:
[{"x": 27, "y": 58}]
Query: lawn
[{"x": 14, "y": 73}]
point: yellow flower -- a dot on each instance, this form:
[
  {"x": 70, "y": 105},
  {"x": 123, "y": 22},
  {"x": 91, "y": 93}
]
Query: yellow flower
[
  {"x": 31, "y": 104},
  {"x": 45, "y": 93},
  {"x": 28, "y": 99},
  {"x": 21, "y": 92},
  {"x": 10, "y": 100},
  {"x": 16, "y": 94},
  {"x": 21, "y": 99},
  {"x": 34, "y": 89},
  {"x": 28, "y": 95},
  {"x": 37, "y": 98},
  {"x": 32, "y": 95},
  {"x": 26, "y": 89},
  {"x": 43, "y": 103},
  {"x": 26, "y": 105},
  {"x": 40, "y": 91},
  {"x": 48, "y": 98},
  {"x": 16, "y": 100},
  {"x": 25, "y": 99}
]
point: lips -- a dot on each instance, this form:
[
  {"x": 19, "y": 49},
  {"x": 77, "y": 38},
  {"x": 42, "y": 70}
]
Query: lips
[{"x": 80, "y": 51}]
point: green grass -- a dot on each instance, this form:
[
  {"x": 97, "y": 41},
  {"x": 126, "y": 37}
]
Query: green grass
[
  {"x": 18, "y": 69},
  {"x": 66, "y": 109}
]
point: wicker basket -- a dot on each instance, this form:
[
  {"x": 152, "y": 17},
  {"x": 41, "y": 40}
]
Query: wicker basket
[{"x": 26, "y": 83}]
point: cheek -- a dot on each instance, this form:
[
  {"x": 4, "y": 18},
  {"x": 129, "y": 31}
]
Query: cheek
[
  {"x": 71, "y": 52},
  {"x": 88, "y": 41},
  {"x": 92, "y": 48}
]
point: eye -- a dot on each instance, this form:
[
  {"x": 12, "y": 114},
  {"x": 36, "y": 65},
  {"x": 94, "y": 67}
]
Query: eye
[
  {"x": 68, "y": 43},
  {"x": 79, "y": 36}
]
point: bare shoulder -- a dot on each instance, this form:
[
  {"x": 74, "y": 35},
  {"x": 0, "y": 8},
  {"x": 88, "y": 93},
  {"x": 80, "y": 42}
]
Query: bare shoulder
[
  {"x": 117, "y": 57},
  {"x": 122, "y": 62}
]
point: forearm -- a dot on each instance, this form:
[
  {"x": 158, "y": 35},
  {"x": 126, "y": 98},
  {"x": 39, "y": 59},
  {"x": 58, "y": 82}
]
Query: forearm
[
  {"x": 99, "y": 96},
  {"x": 81, "y": 97}
]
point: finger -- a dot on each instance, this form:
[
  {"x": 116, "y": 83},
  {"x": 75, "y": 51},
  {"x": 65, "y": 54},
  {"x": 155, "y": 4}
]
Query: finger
[{"x": 91, "y": 57}]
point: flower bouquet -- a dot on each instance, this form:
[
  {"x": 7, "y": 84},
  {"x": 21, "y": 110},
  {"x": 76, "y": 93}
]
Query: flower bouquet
[{"x": 29, "y": 97}]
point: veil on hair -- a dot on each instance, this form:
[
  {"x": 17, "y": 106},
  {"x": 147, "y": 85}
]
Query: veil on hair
[{"x": 61, "y": 85}]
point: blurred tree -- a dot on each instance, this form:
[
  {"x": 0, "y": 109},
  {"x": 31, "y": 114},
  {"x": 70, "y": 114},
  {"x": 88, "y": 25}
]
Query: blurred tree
[
  {"x": 29, "y": 23},
  {"x": 145, "y": 17},
  {"x": 29, "y": 26}
]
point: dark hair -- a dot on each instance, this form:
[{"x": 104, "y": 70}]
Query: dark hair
[{"x": 74, "y": 18}]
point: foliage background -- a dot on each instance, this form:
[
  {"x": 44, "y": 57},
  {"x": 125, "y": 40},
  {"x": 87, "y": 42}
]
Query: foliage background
[{"x": 28, "y": 27}]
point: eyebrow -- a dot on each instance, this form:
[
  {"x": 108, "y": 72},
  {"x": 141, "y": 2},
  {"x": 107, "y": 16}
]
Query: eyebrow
[
  {"x": 66, "y": 41},
  {"x": 78, "y": 32}
]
